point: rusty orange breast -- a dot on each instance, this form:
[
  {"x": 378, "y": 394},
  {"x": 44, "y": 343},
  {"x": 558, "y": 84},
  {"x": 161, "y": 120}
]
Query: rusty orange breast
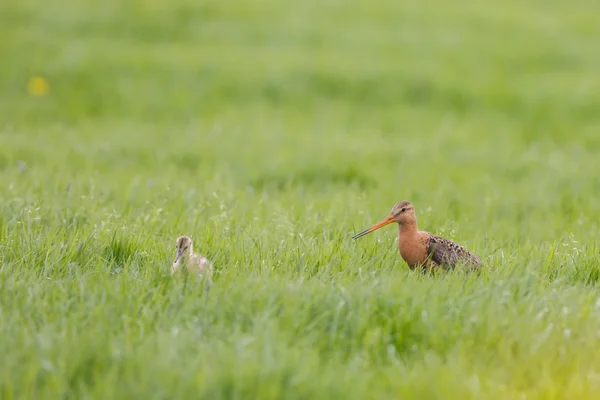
[{"x": 412, "y": 247}]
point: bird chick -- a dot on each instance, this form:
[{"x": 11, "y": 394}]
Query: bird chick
[
  {"x": 193, "y": 262},
  {"x": 420, "y": 248}
]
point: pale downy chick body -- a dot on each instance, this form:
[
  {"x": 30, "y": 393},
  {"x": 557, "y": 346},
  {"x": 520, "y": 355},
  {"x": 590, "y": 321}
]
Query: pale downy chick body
[{"x": 193, "y": 262}]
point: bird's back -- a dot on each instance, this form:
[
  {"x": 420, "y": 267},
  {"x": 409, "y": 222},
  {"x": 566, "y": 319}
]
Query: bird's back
[{"x": 200, "y": 264}]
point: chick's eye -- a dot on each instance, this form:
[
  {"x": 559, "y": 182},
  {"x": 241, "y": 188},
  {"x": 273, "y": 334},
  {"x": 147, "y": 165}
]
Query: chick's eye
[{"x": 403, "y": 209}]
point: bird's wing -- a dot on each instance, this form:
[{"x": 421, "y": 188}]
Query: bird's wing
[
  {"x": 447, "y": 253},
  {"x": 442, "y": 251}
]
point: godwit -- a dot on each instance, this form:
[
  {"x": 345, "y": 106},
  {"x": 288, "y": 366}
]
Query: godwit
[
  {"x": 423, "y": 249},
  {"x": 192, "y": 261}
]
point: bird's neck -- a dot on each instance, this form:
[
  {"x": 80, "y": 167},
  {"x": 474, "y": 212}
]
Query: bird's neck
[{"x": 408, "y": 230}]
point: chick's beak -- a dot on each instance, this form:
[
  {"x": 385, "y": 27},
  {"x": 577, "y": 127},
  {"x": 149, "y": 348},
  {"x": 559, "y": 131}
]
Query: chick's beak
[
  {"x": 378, "y": 225},
  {"x": 178, "y": 256}
]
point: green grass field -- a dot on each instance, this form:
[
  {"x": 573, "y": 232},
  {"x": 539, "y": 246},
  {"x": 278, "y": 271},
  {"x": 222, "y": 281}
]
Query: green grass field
[{"x": 271, "y": 132}]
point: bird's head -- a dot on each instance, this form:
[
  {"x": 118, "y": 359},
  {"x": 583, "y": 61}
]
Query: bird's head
[
  {"x": 403, "y": 213},
  {"x": 183, "y": 246}
]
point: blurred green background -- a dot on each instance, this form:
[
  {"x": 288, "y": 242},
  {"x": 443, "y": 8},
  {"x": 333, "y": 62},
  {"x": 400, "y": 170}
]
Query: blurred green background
[{"x": 271, "y": 132}]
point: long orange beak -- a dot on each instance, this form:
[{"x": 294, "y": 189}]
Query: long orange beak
[{"x": 378, "y": 225}]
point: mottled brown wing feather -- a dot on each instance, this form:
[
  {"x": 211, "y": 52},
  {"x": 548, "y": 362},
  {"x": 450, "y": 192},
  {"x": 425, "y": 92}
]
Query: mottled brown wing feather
[{"x": 447, "y": 253}]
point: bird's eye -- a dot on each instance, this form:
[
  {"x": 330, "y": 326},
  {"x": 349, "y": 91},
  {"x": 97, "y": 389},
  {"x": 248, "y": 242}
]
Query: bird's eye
[{"x": 403, "y": 209}]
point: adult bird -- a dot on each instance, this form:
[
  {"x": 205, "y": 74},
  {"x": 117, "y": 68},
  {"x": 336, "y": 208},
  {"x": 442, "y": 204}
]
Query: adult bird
[{"x": 422, "y": 249}]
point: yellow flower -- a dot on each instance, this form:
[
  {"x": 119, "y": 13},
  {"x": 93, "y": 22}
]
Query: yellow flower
[{"x": 38, "y": 86}]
